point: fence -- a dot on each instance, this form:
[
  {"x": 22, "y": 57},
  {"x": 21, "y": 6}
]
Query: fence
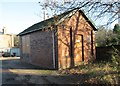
[{"x": 105, "y": 53}]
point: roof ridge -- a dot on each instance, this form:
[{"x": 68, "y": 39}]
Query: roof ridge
[{"x": 45, "y": 23}]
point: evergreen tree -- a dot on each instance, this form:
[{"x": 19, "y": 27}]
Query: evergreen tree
[{"x": 116, "y": 29}]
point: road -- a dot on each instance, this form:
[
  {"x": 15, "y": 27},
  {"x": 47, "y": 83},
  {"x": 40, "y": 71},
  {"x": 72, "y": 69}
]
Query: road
[
  {"x": 14, "y": 71},
  {"x": 7, "y": 76}
]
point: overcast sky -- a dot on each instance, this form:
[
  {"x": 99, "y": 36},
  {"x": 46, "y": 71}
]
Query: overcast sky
[{"x": 17, "y": 15}]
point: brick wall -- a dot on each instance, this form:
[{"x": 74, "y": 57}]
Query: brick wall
[
  {"x": 83, "y": 44},
  {"x": 80, "y": 28},
  {"x": 41, "y": 49},
  {"x": 25, "y": 48},
  {"x": 6, "y": 41}
]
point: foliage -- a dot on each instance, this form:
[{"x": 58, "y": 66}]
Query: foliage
[
  {"x": 113, "y": 79},
  {"x": 95, "y": 73},
  {"x": 96, "y": 8},
  {"x": 98, "y": 72},
  {"x": 116, "y": 29},
  {"x": 107, "y": 37},
  {"x": 115, "y": 58},
  {"x": 16, "y": 41}
]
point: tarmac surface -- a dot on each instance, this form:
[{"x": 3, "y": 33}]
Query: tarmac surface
[{"x": 15, "y": 72}]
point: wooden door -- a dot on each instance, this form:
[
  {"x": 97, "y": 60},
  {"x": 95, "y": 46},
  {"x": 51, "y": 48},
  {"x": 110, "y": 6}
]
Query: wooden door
[{"x": 78, "y": 50}]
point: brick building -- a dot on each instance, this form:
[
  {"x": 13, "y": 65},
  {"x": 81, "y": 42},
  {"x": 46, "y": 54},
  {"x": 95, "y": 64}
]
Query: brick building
[
  {"x": 6, "y": 41},
  {"x": 59, "y": 42}
]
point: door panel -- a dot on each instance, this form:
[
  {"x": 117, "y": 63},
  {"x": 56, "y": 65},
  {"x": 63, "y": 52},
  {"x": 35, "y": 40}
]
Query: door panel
[{"x": 78, "y": 50}]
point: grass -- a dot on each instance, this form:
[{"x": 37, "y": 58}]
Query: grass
[
  {"x": 93, "y": 73},
  {"x": 99, "y": 72},
  {"x": 96, "y": 73}
]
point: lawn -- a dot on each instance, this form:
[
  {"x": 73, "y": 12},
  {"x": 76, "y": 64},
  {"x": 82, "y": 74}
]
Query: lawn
[{"x": 96, "y": 73}]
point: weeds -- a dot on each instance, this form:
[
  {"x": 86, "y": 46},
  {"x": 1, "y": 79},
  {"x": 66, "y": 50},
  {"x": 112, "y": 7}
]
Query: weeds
[
  {"x": 116, "y": 59},
  {"x": 104, "y": 72}
]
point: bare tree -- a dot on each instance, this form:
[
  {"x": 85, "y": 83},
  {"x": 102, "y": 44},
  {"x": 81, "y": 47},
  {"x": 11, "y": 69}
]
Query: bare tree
[{"x": 94, "y": 8}]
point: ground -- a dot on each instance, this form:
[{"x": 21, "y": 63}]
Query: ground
[{"x": 14, "y": 71}]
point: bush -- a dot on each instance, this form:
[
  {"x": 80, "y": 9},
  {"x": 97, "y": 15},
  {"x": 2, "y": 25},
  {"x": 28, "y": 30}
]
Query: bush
[{"x": 115, "y": 58}]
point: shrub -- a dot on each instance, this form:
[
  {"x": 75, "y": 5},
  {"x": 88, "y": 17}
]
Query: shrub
[{"x": 115, "y": 58}]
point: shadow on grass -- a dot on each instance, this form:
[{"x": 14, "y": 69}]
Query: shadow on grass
[
  {"x": 85, "y": 78},
  {"x": 98, "y": 72}
]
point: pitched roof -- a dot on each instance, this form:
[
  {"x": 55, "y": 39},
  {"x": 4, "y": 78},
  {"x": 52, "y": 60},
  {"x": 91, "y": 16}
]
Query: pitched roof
[{"x": 43, "y": 24}]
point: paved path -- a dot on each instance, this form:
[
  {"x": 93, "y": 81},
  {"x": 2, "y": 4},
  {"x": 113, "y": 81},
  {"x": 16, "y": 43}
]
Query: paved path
[{"x": 14, "y": 71}]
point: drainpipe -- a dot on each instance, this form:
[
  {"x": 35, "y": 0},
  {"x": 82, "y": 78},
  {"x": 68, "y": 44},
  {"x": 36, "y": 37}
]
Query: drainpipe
[{"x": 53, "y": 41}]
